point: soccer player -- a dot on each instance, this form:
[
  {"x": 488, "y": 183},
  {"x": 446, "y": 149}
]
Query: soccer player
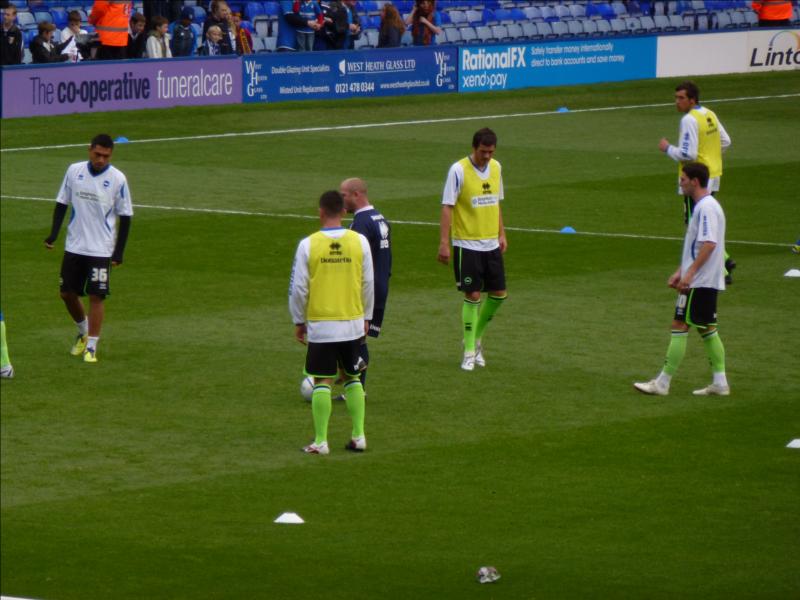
[
  {"x": 699, "y": 279},
  {"x": 98, "y": 194},
  {"x": 6, "y": 370},
  {"x": 703, "y": 139},
  {"x": 471, "y": 215},
  {"x": 331, "y": 298},
  {"x": 372, "y": 225}
]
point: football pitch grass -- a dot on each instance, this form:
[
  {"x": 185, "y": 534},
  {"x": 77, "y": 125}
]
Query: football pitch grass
[{"x": 158, "y": 472}]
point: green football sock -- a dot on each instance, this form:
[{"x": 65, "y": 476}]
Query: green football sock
[
  {"x": 354, "y": 399},
  {"x": 488, "y": 309},
  {"x": 321, "y": 411},
  {"x": 469, "y": 317},
  {"x": 675, "y": 352},
  {"x": 4, "y": 360},
  {"x": 715, "y": 351}
]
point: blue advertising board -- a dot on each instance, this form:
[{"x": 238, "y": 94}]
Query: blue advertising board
[
  {"x": 360, "y": 73},
  {"x": 506, "y": 67}
]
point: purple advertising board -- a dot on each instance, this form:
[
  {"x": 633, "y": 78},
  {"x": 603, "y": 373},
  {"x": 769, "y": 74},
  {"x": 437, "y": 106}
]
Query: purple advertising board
[{"x": 62, "y": 88}]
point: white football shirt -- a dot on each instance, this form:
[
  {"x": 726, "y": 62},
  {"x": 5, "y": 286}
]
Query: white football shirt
[
  {"x": 96, "y": 201},
  {"x": 706, "y": 225}
]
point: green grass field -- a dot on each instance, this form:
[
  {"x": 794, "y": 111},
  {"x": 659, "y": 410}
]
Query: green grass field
[{"x": 158, "y": 472}]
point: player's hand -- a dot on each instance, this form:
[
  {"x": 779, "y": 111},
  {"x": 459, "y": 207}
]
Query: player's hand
[
  {"x": 663, "y": 144},
  {"x": 48, "y": 243},
  {"x": 503, "y": 243},
  {"x": 366, "y": 327},
  {"x": 116, "y": 263},
  {"x": 444, "y": 253},
  {"x": 674, "y": 279},
  {"x": 300, "y": 333}
]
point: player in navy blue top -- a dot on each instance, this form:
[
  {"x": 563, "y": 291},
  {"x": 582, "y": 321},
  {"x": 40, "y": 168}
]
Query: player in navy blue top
[{"x": 371, "y": 224}]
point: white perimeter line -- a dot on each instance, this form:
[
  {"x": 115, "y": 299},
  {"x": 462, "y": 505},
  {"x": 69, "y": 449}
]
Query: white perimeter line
[
  {"x": 224, "y": 211},
  {"x": 213, "y": 136}
]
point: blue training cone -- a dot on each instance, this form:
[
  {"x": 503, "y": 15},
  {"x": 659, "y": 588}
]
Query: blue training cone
[
  {"x": 568, "y": 229},
  {"x": 562, "y": 109},
  {"x": 121, "y": 140}
]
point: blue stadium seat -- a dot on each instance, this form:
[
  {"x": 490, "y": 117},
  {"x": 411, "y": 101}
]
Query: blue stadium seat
[
  {"x": 620, "y": 10},
  {"x": 562, "y": 12},
  {"x": 517, "y": 15},
  {"x": 254, "y": 9},
  {"x": 503, "y": 16},
  {"x": 25, "y": 20},
  {"x": 43, "y": 16},
  {"x": 457, "y": 17},
  {"x": 60, "y": 17},
  {"x": 532, "y": 13},
  {"x": 578, "y": 11},
  {"x": 200, "y": 14},
  {"x": 474, "y": 17}
]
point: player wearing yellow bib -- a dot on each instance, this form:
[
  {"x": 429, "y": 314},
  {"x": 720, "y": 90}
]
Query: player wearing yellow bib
[
  {"x": 331, "y": 296},
  {"x": 703, "y": 139},
  {"x": 472, "y": 218}
]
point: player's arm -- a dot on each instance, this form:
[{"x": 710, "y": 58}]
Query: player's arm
[
  {"x": 724, "y": 138},
  {"x": 686, "y": 151},
  {"x": 59, "y": 212},
  {"x": 122, "y": 239},
  {"x": 452, "y": 188},
  {"x": 298, "y": 291},
  {"x": 501, "y": 237},
  {"x": 702, "y": 258},
  {"x": 367, "y": 283}
]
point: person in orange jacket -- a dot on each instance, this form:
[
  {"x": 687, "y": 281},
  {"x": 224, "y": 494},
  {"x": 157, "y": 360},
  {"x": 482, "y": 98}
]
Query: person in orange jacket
[
  {"x": 773, "y": 13},
  {"x": 110, "y": 18}
]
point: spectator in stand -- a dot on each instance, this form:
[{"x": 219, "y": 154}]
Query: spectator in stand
[
  {"x": 182, "y": 36},
  {"x": 213, "y": 45},
  {"x": 773, "y": 13},
  {"x": 73, "y": 27},
  {"x": 392, "y": 27},
  {"x": 137, "y": 38},
  {"x": 244, "y": 39},
  {"x": 110, "y": 18},
  {"x": 42, "y": 47},
  {"x": 11, "y": 38},
  {"x": 158, "y": 42},
  {"x": 220, "y": 16},
  {"x": 425, "y": 23},
  {"x": 344, "y": 28},
  {"x": 313, "y": 20}
]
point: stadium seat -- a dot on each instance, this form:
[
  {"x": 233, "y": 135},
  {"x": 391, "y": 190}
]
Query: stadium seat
[
  {"x": 474, "y": 17},
  {"x": 659, "y": 9},
  {"x": 561, "y": 29},
  {"x": 548, "y": 13},
  {"x": 578, "y": 11},
  {"x": 690, "y": 22},
  {"x": 407, "y": 39},
  {"x": 751, "y": 18},
  {"x": 515, "y": 31},
  {"x": 453, "y": 35},
  {"x": 673, "y": 8},
  {"x": 590, "y": 27},
  {"x": 27, "y": 57},
  {"x": 60, "y": 17},
  {"x": 605, "y": 10},
  {"x": 200, "y": 14},
  {"x": 576, "y": 28},
  {"x": 677, "y": 22},
  {"x": 258, "y": 44},
  {"x": 546, "y": 30},
  {"x": 252, "y": 10},
  {"x": 468, "y": 35},
  {"x": 620, "y": 10},
  {"x": 484, "y": 34},
  {"x": 634, "y": 25},
  {"x": 488, "y": 16},
  {"x": 702, "y": 22},
  {"x": 25, "y": 20},
  {"x": 261, "y": 25},
  {"x": 42, "y": 16},
  {"x": 360, "y": 42},
  {"x": 562, "y": 12},
  {"x": 603, "y": 27},
  {"x": 517, "y": 15},
  {"x": 721, "y": 20},
  {"x": 662, "y": 22},
  {"x": 270, "y": 44},
  {"x": 530, "y": 30},
  {"x": 648, "y": 24},
  {"x": 532, "y": 13},
  {"x": 619, "y": 27},
  {"x": 502, "y": 16},
  {"x": 272, "y": 10},
  {"x": 373, "y": 34},
  {"x": 457, "y": 18},
  {"x": 737, "y": 18}
]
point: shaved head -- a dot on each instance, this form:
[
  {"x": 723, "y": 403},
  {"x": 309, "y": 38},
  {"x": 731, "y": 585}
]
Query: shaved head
[{"x": 354, "y": 192}]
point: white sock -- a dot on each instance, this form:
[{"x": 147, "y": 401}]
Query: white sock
[
  {"x": 720, "y": 380},
  {"x": 664, "y": 379},
  {"x": 92, "y": 343},
  {"x": 83, "y": 326}
]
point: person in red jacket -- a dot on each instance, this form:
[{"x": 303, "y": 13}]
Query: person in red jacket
[
  {"x": 110, "y": 18},
  {"x": 773, "y": 13}
]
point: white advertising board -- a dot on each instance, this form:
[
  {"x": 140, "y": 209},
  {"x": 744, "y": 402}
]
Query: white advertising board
[{"x": 729, "y": 52}]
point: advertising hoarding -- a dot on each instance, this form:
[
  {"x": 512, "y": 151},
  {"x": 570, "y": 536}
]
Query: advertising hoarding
[
  {"x": 356, "y": 73},
  {"x": 119, "y": 85}
]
